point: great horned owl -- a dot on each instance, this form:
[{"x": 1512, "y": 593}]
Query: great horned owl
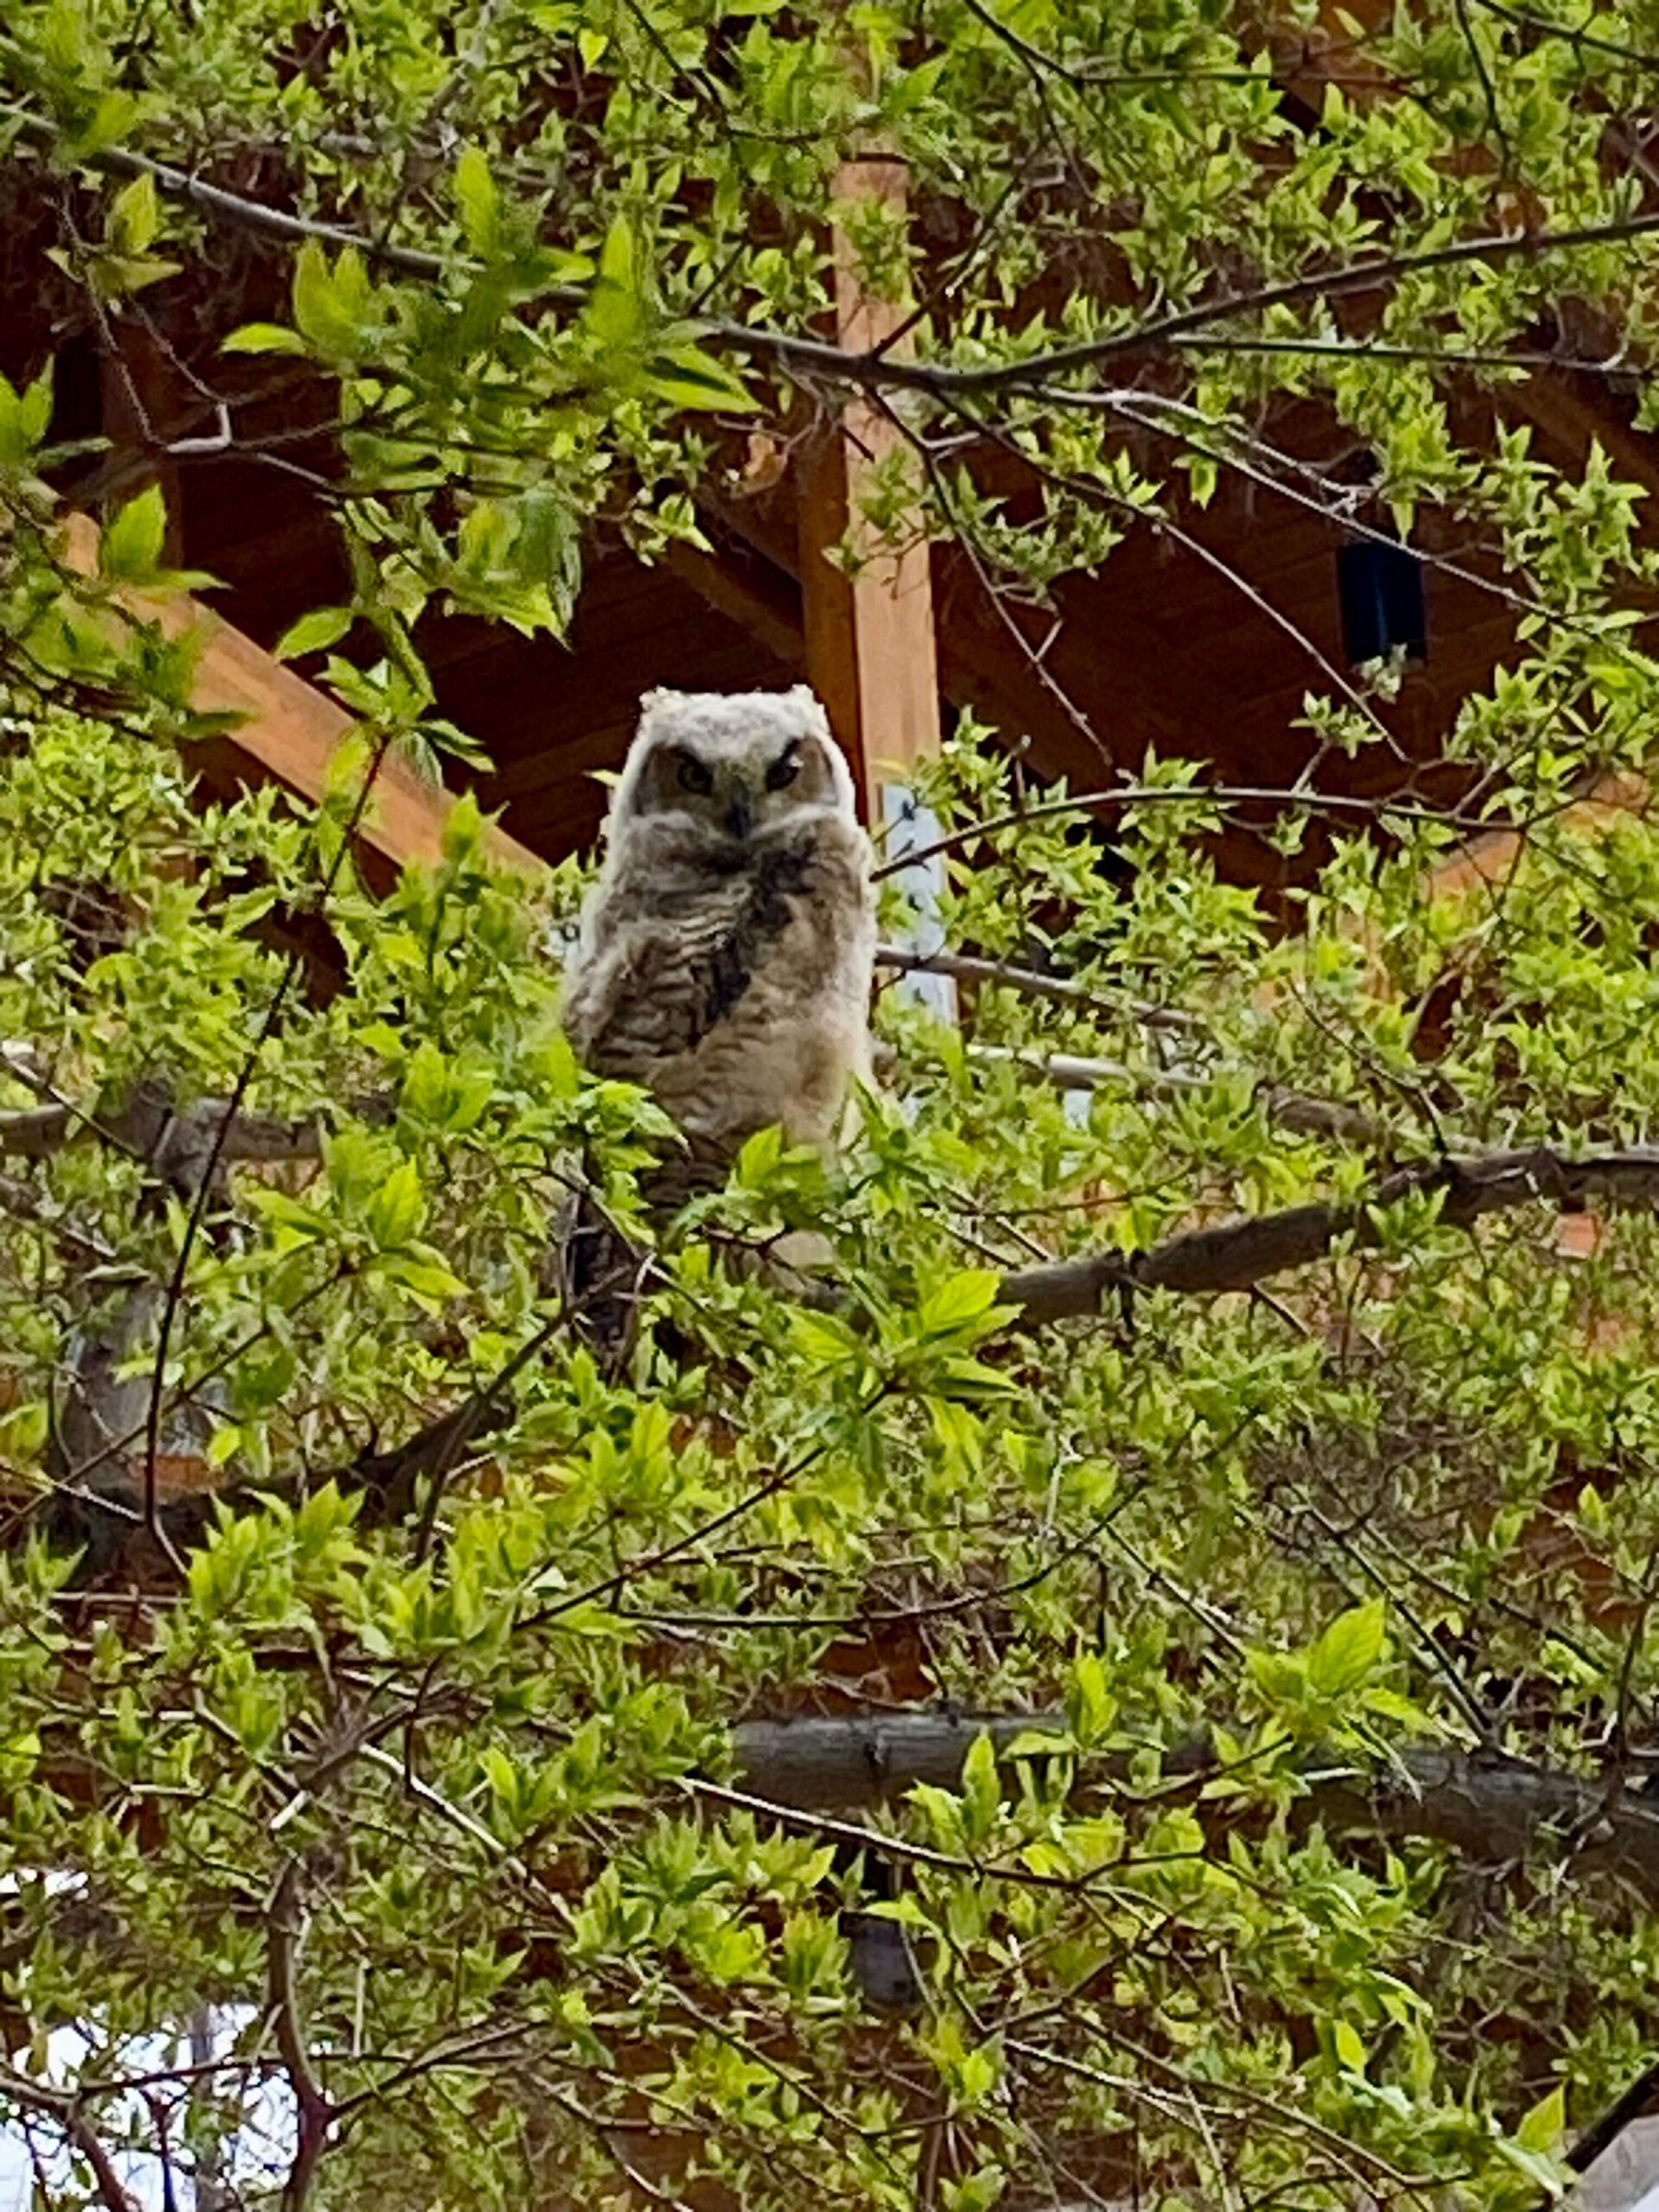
[{"x": 725, "y": 955}]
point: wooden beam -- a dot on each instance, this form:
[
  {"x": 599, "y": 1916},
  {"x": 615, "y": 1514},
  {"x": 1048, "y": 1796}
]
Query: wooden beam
[
  {"x": 870, "y": 648},
  {"x": 1488, "y": 862},
  {"x": 287, "y": 728},
  {"x": 762, "y": 606}
]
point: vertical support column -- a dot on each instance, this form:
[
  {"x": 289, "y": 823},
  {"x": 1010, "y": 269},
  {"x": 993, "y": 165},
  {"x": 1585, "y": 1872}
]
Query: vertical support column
[{"x": 871, "y": 651}]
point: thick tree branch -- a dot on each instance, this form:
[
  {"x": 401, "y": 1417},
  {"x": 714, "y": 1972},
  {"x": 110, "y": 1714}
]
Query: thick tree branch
[
  {"x": 1241, "y": 1254},
  {"x": 1235, "y": 1256},
  {"x": 1487, "y": 1807},
  {"x": 36, "y": 1132},
  {"x": 149, "y": 1129},
  {"x": 873, "y": 369}
]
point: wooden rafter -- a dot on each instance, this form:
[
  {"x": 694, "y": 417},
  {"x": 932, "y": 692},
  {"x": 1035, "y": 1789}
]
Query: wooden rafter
[{"x": 289, "y": 729}]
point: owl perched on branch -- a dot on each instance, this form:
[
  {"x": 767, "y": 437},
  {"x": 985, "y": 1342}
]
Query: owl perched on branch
[{"x": 725, "y": 955}]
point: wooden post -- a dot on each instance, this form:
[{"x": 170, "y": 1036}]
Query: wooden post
[
  {"x": 871, "y": 651},
  {"x": 869, "y": 637}
]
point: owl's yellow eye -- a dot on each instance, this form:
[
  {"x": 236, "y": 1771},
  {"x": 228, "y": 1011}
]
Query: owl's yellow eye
[
  {"x": 694, "y": 777},
  {"x": 785, "y": 769}
]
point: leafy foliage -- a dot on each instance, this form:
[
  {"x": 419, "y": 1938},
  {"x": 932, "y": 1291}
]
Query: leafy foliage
[
  {"x": 409, "y": 1771},
  {"x": 474, "y": 1732}
]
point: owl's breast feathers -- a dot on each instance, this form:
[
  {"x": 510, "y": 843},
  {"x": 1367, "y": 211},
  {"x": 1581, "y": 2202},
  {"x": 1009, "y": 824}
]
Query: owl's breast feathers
[{"x": 739, "y": 998}]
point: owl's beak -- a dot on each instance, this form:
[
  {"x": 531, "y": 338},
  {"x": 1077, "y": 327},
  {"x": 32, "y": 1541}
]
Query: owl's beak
[{"x": 740, "y": 815}]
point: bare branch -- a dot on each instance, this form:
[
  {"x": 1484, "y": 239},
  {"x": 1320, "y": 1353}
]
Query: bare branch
[
  {"x": 1289, "y": 1108},
  {"x": 849, "y": 1762},
  {"x": 1029, "y": 982},
  {"x": 149, "y": 1129}
]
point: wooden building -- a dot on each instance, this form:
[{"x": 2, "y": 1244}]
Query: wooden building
[{"x": 1199, "y": 637}]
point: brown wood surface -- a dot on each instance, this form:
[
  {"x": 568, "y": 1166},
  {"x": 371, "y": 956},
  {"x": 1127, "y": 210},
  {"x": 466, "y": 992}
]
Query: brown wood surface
[
  {"x": 287, "y": 727},
  {"x": 870, "y": 648}
]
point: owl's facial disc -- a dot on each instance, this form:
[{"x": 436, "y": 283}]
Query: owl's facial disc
[{"x": 739, "y": 769}]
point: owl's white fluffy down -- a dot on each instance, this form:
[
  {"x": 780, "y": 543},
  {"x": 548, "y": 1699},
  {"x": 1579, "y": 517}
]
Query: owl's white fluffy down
[{"x": 726, "y": 950}]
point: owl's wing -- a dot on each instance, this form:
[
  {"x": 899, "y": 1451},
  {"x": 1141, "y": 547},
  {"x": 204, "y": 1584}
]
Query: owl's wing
[
  {"x": 640, "y": 999},
  {"x": 659, "y": 984}
]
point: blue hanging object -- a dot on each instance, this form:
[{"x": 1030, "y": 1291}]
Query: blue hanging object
[{"x": 1383, "y": 604}]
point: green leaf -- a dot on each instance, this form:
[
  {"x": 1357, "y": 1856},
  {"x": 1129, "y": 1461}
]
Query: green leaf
[
  {"x": 1544, "y": 2127},
  {"x": 135, "y": 216},
  {"x": 981, "y": 1788},
  {"x": 397, "y": 1208},
  {"x": 477, "y": 202},
  {"x": 130, "y": 550},
  {"x": 1203, "y": 476},
  {"x": 426, "y": 1083},
  {"x": 1093, "y": 1705},
  {"x": 423, "y": 1274},
  {"x": 614, "y": 317},
  {"x": 110, "y": 119},
  {"x": 692, "y": 381},
  {"x": 263, "y": 337},
  {"x": 291, "y": 1214},
  {"x": 334, "y": 307},
  {"x": 824, "y": 1341},
  {"x": 1540, "y": 2168},
  {"x": 1343, "y": 1657},
  {"x": 25, "y": 417},
  {"x": 966, "y": 1298},
  {"x": 462, "y": 835},
  {"x": 315, "y": 632}
]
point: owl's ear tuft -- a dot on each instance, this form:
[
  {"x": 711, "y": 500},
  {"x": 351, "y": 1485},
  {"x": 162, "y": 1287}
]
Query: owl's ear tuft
[
  {"x": 803, "y": 697},
  {"x": 653, "y": 700}
]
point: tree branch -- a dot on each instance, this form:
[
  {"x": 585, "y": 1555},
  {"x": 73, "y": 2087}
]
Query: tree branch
[
  {"x": 315, "y": 2113},
  {"x": 1029, "y": 982},
  {"x": 1235, "y": 1256},
  {"x": 1483, "y": 1806},
  {"x": 36, "y": 1132},
  {"x": 64, "y": 2107},
  {"x": 1289, "y": 1108},
  {"x": 149, "y": 1129},
  {"x": 1241, "y": 1254},
  {"x": 874, "y": 370}
]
